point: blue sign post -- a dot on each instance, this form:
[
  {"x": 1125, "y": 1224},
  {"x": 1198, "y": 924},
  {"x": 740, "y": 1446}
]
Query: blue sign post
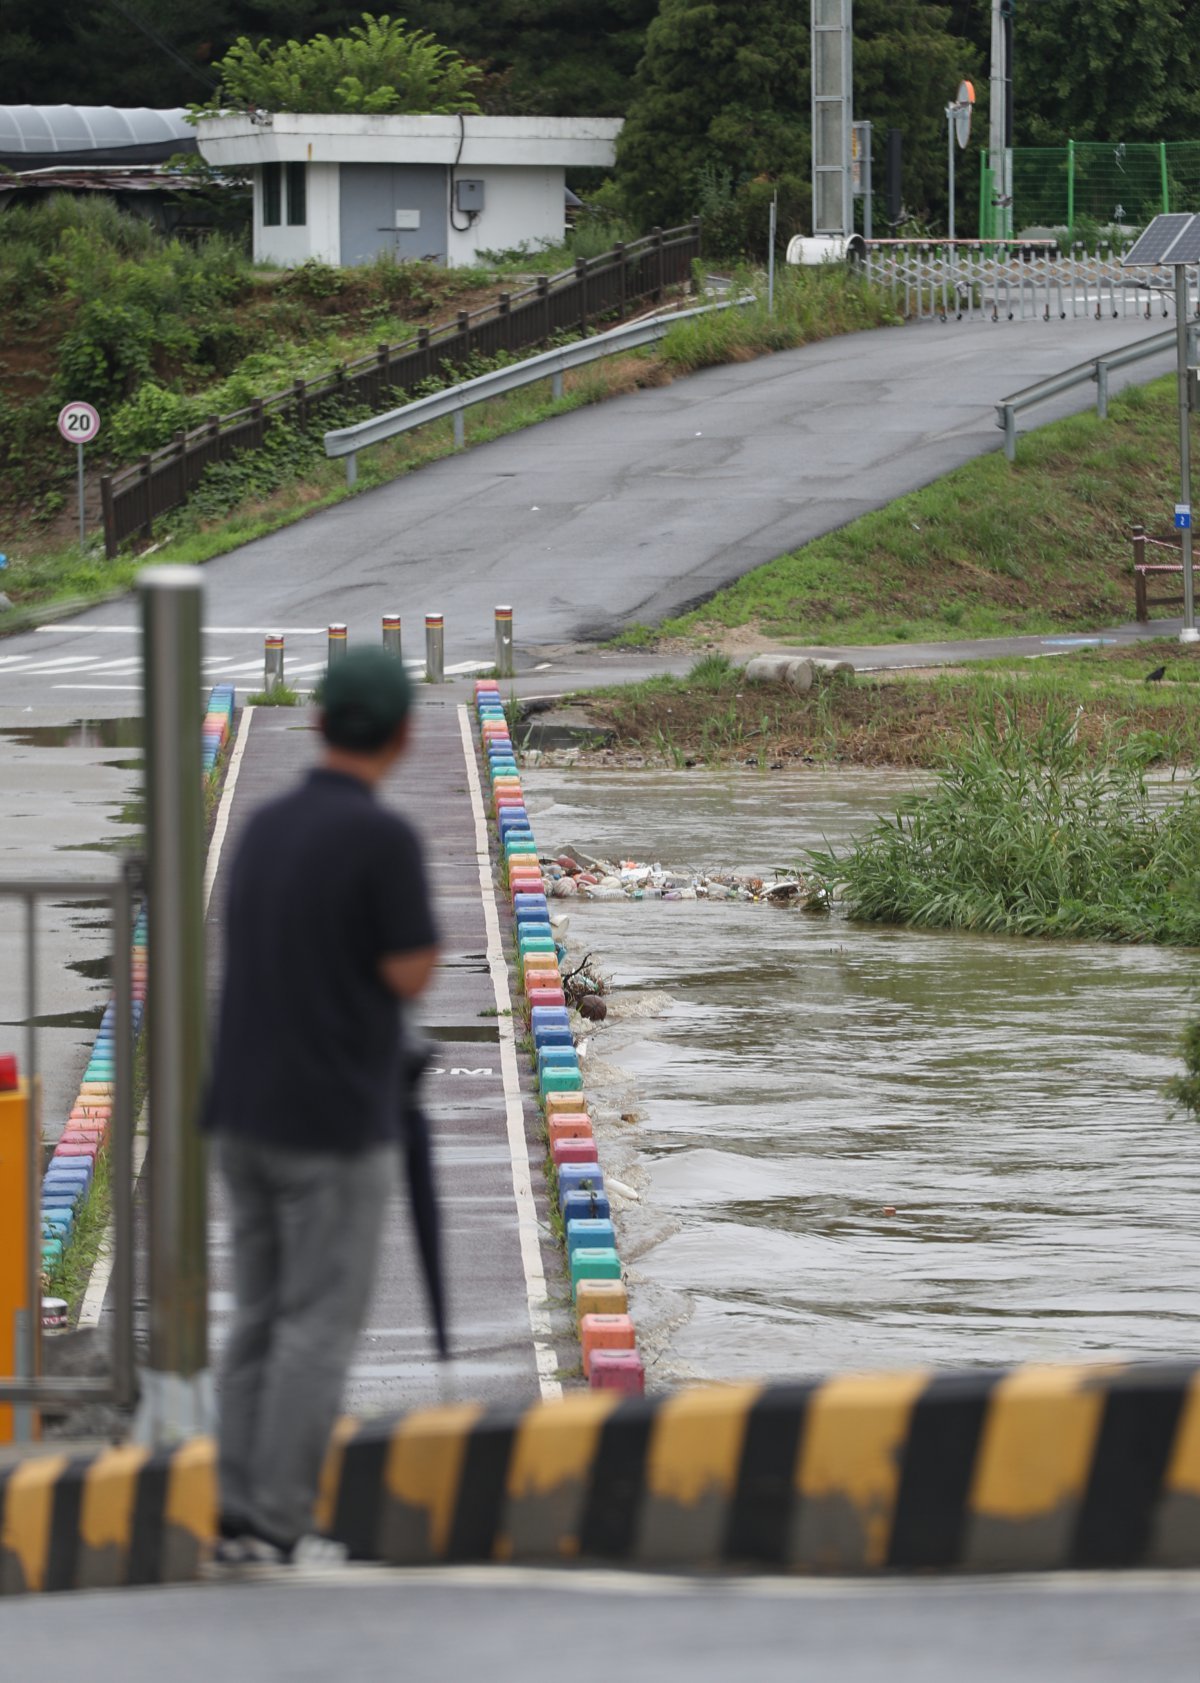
[{"x": 1183, "y": 517}]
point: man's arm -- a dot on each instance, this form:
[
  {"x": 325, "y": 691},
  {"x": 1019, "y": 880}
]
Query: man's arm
[{"x": 407, "y": 974}]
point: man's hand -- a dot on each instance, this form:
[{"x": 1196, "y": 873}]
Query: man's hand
[{"x": 407, "y": 974}]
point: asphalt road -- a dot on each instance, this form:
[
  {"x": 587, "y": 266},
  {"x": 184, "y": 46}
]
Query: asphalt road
[
  {"x": 509, "y": 1625},
  {"x": 629, "y": 510}
]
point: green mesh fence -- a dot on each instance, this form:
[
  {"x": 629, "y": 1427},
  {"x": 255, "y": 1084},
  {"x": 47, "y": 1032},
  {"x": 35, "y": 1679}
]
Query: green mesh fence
[{"x": 1088, "y": 185}]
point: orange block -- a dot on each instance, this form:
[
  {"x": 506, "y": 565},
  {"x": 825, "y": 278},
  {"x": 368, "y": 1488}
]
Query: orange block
[
  {"x": 569, "y": 1125},
  {"x": 604, "y": 1332}
]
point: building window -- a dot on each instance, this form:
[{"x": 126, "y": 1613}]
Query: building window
[
  {"x": 297, "y": 196},
  {"x": 271, "y": 178}
]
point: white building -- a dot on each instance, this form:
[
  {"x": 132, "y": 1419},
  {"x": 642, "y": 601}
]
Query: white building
[{"x": 341, "y": 189}]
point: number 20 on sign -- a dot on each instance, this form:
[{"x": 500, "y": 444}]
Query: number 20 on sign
[{"x": 79, "y": 424}]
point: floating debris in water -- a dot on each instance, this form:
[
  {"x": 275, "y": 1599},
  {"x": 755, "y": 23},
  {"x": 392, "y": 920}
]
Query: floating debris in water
[{"x": 575, "y": 874}]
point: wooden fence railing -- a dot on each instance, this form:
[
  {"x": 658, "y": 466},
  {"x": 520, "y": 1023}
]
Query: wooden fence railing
[{"x": 574, "y": 301}]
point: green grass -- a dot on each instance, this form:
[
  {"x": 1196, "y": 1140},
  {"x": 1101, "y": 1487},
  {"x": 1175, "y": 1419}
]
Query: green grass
[
  {"x": 712, "y": 716},
  {"x": 1028, "y": 834},
  {"x": 990, "y": 549},
  {"x": 280, "y": 696}
]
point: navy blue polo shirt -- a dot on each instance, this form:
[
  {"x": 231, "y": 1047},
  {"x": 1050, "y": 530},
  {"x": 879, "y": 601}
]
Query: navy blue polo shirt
[{"x": 325, "y": 883}]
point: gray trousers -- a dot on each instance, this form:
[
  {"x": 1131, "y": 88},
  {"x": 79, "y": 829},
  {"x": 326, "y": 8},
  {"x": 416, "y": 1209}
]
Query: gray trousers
[{"x": 306, "y": 1228}]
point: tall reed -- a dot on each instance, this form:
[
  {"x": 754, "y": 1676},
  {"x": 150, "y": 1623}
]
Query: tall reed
[{"x": 1023, "y": 836}]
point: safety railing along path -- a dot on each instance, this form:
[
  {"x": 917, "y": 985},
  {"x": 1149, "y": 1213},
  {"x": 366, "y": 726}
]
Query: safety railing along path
[{"x": 572, "y": 301}]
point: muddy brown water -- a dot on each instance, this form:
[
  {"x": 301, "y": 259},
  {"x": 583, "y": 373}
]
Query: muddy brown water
[{"x": 797, "y": 1076}]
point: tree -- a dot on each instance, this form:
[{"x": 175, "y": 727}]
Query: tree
[
  {"x": 1119, "y": 70},
  {"x": 720, "y": 98},
  {"x": 377, "y": 66}
]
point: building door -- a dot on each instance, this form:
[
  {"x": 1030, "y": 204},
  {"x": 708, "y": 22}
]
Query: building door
[{"x": 398, "y": 208}]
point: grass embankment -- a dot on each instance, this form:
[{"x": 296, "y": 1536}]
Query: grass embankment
[
  {"x": 263, "y": 491},
  {"x": 991, "y": 548},
  {"x": 1028, "y": 834},
  {"x": 714, "y": 717}
]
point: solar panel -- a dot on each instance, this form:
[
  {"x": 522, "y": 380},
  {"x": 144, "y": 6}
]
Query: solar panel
[
  {"x": 1186, "y": 248},
  {"x": 1153, "y": 245}
]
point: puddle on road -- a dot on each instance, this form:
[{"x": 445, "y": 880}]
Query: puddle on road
[
  {"x": 803, "y": 1074},
  {"x": 69, "y": 790}
]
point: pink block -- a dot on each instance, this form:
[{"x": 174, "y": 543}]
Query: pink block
[
  {"x": 545, "y": 996},
  {"x": 617, "y": 1370},
  {"x": 573, "y": 1151},
  {"x": 82, "y": 1150}
]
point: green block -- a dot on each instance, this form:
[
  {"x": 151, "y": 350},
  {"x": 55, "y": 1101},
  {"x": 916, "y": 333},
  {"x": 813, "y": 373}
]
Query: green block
[
  {"x": 594, "y": 1262},
  {"x": 536, "y": 944},
  {"x": 561, "y": 1081}
]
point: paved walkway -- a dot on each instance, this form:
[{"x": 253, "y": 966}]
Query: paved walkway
[
  {"x": 628, "y": 510},
  {"x": 488, "y": 1286}
]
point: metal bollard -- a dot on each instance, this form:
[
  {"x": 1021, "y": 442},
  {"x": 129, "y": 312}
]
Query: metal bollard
[
  {"x": 391, "y": 635},
  {"x": 504, "y": 642},
  {"x": 435, "y": 649},
  {"x": 176, "y": 1391},
  {"x": 337, "y": 643},
  {"x": 273, "y": 662}
]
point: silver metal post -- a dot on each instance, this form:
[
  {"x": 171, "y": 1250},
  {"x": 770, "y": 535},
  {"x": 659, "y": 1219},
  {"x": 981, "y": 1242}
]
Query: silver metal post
[
  {"x": 556, "y": 384},
  {"x": 337, "y": 643},
  {"x": 950, "y": 109},
  {"x": 1188, "y": 634},
  {"x": 770, "y": 255},
  {"x": 1010, "y": 432},
  {"x": 352, "y": 470},
  {"x": 435, "y": 649},
  {"x": 82, "y": 529},
  {"x": 124, "y": 1386},
  {"x": 273, "y": 662},
  {"x": 391, "y": 635},
  {"x": 460, "y": 435},
  {"x": 504, "y": 642},
  {"x": 1102, "y": 389},
  {"x": 176, "y": 1388}
]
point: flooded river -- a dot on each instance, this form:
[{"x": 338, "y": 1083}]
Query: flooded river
[{"x": 794, "y": 1077}]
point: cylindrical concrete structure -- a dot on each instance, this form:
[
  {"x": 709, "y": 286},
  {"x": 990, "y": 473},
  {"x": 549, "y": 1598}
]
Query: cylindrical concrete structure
[
  {"x": 504, "y": 642},
  {"x": 337, "y": 642},
  {"x": 391, "y": 635},
  {"x": 435, "y": 649},
  {"x": 273, "y": 662}
]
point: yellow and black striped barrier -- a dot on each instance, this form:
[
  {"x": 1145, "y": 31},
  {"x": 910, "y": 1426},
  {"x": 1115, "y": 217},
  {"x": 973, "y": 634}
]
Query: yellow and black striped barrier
[{"x": 1021, "y": 1469}]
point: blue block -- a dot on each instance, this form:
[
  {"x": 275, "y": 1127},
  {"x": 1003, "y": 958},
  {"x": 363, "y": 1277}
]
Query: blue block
[
  {"x": 552, "y": 1035},
  {"x": 535, "y": 930},
  {"x": 596, "y": 1234},
  {"x": 542, "y": 1016},
  {"x": 528, "y": 901},
  {"x": 512, "y": 818},
  {"x": 578, "y": 1177},
  {"x": 557, "y": 1057},
  {"x": 529, "y": 917},
  {"x": 586, "y": 1206}
]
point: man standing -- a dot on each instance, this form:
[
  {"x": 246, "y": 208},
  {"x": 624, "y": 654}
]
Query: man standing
[{"x": 328, "y": 927}]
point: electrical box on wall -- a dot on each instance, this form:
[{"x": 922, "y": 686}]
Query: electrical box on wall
[{"x": 468, "y": 195}]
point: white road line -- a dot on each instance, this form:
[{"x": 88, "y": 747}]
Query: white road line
[
  {"x": 226, "y": 806},
  {"x": 97, "y": 1286},
  {"x": 97, "y": 686},
  {"x": 527, "y": 1222},
  {"x": 209, "y": 630},
  {"x": 62, "y": 665}
]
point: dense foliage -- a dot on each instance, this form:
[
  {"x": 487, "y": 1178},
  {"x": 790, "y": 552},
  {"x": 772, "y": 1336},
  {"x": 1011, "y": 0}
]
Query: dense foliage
[
  {"x": 1026, "y": 835},
  {"x": 376, "y": 66}
]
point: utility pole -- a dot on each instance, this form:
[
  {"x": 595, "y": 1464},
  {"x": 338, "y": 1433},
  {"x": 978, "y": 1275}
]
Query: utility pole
[{"x": 1000, "y": 119}]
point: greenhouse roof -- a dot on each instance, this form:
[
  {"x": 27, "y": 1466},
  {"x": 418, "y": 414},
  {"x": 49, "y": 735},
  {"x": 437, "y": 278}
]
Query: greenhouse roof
[{"x": 32, "y": 136}]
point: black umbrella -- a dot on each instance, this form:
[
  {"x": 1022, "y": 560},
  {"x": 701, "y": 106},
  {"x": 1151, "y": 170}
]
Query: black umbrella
[{"x": 422, "y": 1193}]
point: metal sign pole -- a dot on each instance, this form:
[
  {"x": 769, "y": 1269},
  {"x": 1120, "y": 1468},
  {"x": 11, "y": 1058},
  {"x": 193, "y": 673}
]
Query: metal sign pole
[
  {"x": 177, "y": 1397},
  {"x": 951, "y": 113},
  {"x": 771, "y": 254},
  {"x": 1188, "y": 634},
  {"x": 79, "y": 468}
]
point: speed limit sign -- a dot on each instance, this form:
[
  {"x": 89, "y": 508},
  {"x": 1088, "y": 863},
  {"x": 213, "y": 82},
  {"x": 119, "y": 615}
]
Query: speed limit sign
[{"x": 78, "y": 422}]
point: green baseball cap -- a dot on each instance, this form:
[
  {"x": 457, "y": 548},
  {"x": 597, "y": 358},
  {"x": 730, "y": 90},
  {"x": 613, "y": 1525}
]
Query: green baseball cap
[{"x": 363, "y": 698}]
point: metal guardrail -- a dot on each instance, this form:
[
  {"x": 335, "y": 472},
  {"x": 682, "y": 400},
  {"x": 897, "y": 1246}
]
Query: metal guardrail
[
  {"x": 1096, "y": 369},
  {"x": 29, "y": 1388},
  {"x": 551, "y": 365},
  {"x": 596, "y": 287}
]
